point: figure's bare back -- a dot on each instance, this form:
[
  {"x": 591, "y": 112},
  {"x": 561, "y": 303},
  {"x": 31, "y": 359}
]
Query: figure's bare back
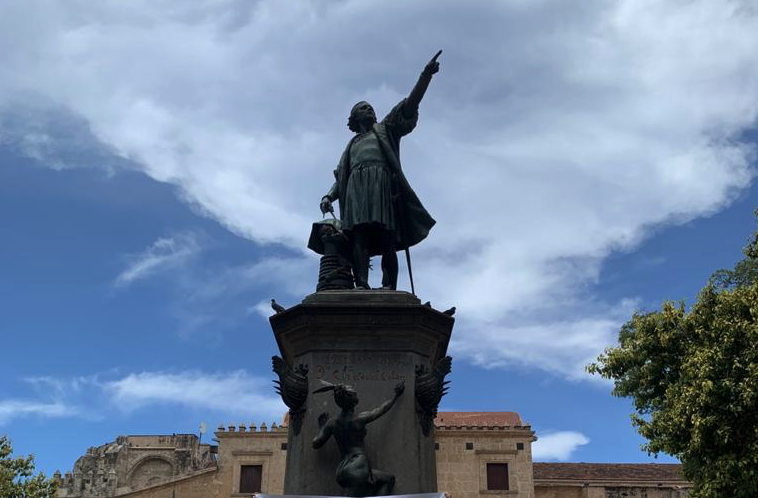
[{"x": 349, "y": 432}]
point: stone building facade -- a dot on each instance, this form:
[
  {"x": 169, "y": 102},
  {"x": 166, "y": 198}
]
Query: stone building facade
[
  {"x": 479, "y": 455},
  {"x": 472, "y": 447},
  {"x": 609, "y": 480},
  {"x": 135, "y": 462}
]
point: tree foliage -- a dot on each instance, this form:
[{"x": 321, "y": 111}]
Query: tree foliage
[
  {"x": 745, "y": 272},
  {"x": 693, "y": 377},
  {"x": 17, "y": 479}
]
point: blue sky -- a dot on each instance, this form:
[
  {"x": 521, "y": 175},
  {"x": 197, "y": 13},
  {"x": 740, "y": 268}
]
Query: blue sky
[{"x": 161, "y": 162}]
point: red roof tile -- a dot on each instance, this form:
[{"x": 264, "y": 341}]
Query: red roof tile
[
  {"x": 609, "y": 471},
  {"x": 477, "y": 419}
]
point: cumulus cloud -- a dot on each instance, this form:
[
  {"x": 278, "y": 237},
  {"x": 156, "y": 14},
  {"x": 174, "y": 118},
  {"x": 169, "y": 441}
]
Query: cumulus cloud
[
  {"x": 235, "y": 393},
  {"x": 262, "y": 308},
  {"x": 163, "y": 254},
  {"x": 558, "y": 445},
  {"x": 565, "y": 346},
  {"x": 53, "y": 135},
  {"x": 15, "y": 408},
  {"x": 554, "y": 134},
  {"x": 50, "y": 397},
  {"x": 205, "y": 294}
]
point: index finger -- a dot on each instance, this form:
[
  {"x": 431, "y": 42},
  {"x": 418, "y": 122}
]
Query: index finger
[{"x": 434, "y": 59}]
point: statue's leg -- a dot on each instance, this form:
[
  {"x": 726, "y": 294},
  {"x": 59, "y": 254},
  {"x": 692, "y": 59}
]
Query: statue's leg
[
  {"x": 361, "y": 256},
  {"x": 354, "y": 476},
  {"x": 389, "y": 260},
  {"x": 384, "y": 482}
]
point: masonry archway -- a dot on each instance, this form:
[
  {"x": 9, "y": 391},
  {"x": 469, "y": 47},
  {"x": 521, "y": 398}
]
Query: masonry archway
[{"x": 148, "y": 471}]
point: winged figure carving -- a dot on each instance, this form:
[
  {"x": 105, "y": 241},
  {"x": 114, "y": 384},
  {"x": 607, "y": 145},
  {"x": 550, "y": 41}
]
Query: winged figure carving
[
  {"x": 292, "y": 386},
  {"x": 431, "y": 386}
]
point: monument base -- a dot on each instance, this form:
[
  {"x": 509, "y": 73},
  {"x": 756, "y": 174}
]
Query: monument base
[
  {"x": 369, "y": 340},
  {"x": 416, "y": 495}
]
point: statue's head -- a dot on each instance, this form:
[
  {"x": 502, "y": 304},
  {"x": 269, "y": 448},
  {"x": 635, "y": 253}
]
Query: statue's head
[
  {"x": 361, "y": 113},
  {"x": 345, "y": 397}
]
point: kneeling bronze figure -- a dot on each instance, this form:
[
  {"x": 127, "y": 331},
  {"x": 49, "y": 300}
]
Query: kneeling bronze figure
[{"x": 354, "y": 472}]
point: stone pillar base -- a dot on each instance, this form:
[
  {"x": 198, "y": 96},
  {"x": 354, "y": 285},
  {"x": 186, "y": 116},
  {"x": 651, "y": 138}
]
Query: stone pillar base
[{"x": 370, "y": 340}]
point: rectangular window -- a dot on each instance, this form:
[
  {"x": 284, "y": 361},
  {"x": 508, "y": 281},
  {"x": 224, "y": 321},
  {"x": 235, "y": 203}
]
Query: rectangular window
[
  {"x": 497, "y": 476},
  {"x": 250, "y": 478}
]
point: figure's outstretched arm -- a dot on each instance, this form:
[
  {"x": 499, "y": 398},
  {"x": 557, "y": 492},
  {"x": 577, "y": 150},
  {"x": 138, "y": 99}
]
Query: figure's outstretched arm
[
  {"x": 380, "y": 410},
  {"x": 324, "y": 431},
  {"x": 414, "y": 99}
]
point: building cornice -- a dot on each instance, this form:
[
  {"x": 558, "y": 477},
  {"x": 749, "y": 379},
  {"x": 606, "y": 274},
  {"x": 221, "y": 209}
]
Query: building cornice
[
  {"x": 521, "y": 431},
  {"x": 652, "y": 483}
]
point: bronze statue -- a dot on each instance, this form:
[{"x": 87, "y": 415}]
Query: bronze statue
[
  {"x": 379, "y": 211},
  {"x": 354, "y": 472}
]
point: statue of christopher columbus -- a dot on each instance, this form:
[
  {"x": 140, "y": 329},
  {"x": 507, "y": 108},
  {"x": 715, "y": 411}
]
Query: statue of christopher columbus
[{"x": 379, "y": 212}]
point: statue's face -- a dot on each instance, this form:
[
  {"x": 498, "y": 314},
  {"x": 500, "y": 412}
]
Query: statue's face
[
  {"x": 363, "y": 112},
  {"x": 353, "y": 396}
]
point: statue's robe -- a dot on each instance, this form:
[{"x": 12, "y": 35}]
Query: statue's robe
[{"x": 411, "y": 220}]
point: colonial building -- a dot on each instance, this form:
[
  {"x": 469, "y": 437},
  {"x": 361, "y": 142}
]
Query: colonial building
[
  {"x": 479, "y": 455},
  {"x": 609, "y": 480},
  {"x": 135, "y": 462}
]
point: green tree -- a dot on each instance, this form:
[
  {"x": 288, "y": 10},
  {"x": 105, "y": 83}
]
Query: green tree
[
  {"x": 693, "y": 377},
  {"x": 16, "y": 476}
]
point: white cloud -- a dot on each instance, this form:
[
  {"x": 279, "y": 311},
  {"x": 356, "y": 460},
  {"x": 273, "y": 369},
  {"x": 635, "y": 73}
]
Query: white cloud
[
  {"x": 237, "y": 395},
  {"x": 234, "y": 393},
  {"x": 554, "y": 134},
  {"x": 163, "y": 254},
  {"x": 263, "y": 309},
  {"x": 205, "y": 295},
  {"x": 566, "y": 342},
  {"x": 558, "y": 445},
  {"x": 15, "y": 408},
  {"x": 61, "y": 387}
]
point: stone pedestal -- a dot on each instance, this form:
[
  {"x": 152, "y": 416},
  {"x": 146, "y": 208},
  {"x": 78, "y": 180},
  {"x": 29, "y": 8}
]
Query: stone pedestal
[{"x": 370, "y": 340}]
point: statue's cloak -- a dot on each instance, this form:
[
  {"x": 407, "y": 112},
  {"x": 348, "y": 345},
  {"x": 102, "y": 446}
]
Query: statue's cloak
[{"x": 412, "y": 220}]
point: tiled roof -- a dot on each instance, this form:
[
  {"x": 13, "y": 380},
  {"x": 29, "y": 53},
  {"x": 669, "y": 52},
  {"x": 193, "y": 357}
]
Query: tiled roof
[
  {"x": 477, "y": 419},
  {"x": 609, "y": 471}
]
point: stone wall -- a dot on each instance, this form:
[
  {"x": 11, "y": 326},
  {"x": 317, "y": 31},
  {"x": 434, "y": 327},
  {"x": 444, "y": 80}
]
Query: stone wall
[
  {"x": 138, "y": 466},
  {"x": 464, "y": 453},
  {"x": 609, "y": 490},
  {"x": 202, "y": 484},
  {"x": 609, "y": 480},
  {"x": 460, "y": 471},
  {"x": 135, "y": 462},
  {"x": 252, "y": 445},
  {"x": 559, "y": 491}
]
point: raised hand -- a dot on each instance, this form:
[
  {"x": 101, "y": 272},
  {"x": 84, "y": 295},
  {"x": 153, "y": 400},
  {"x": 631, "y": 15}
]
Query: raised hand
[
  {"x": 399, "y": 388},
  {"x": 432, "y": 67},
  {"x": 326, "y": 206},
  {"x": 322, "y": 419}
]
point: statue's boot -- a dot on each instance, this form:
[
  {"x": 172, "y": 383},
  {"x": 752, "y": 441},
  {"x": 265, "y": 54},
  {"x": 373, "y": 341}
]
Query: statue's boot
[
  {"x": 389, "y": 261},
  {"x": 389, "y": 270},
  {"x": 361, "y": 261}
]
